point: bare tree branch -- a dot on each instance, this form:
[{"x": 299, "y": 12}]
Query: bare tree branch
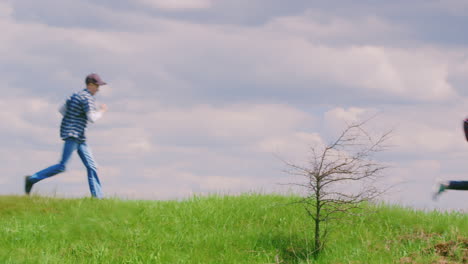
[{"x": 348, "y": 159}]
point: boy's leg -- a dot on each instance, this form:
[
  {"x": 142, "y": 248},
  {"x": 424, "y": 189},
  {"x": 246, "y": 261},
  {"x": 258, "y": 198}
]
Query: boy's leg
[
  {"x": 69, "y": 146},
  {"x": 458, "y": 185},
  {"x": 87, "y": 157}
]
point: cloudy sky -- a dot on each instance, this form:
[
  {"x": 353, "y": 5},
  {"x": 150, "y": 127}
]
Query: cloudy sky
[{"x": 203, "y": 95}]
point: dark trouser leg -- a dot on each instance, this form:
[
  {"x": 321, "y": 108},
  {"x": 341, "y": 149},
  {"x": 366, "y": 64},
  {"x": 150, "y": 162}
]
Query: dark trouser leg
[{"x": 458, "y": 185}]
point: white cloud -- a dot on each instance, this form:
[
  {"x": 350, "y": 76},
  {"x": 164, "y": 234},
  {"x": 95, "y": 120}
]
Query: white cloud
[
  {"x": 417, "y": 74},
  {"x": 280, "y": 53},
  {"x": 73, "y": 176},
  {"x": 458, "y": 72},
  {"x": 295, "y": 146},
  {"x": 6, "y": 10},
  {"x": 337, "y": 118},
  {"x": 237, "y": 122},
  {"x": 177, "y": 4},
  {"x": 416, "y": 129},
  {"x": 427, "y": 129},
  {"x": 29, "y": 116},
  {"x": 321, "y": 28},
  {"x": 454, "y": 7},
  {"x": 417, "y": 137}
]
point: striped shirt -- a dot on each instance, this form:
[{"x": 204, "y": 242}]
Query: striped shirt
[{"x": 77, "y": 111}]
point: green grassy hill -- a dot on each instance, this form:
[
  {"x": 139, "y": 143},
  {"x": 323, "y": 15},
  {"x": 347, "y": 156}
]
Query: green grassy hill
[{"x": 231, "y": 229}]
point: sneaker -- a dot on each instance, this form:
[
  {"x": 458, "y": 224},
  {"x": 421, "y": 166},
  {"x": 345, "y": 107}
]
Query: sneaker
[
  {"x": 27, "y": 185},
  {"x": 440, "y": 188}
]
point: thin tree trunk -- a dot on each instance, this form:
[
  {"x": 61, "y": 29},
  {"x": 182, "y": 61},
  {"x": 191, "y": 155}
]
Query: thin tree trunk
[{"x": 317, "y": 242}]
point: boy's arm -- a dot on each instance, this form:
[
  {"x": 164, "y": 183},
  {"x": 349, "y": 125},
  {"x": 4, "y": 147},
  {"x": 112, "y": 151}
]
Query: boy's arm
[
  {"x": 93, "y": 116},
  {"x": 91, "y": 111}
]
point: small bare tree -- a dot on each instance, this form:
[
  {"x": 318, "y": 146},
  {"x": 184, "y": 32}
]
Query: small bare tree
[{"x": 348, "y": 159}]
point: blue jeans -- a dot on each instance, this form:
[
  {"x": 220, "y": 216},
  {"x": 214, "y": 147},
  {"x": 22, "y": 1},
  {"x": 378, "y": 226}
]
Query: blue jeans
[{"x": 72, "y": 144}]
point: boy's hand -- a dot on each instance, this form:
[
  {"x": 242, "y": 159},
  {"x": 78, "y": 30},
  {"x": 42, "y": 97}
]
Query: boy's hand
[{"x": 104, "y": 108}]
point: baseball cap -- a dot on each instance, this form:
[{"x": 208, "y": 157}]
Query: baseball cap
[{"x": 94, "y": 78}]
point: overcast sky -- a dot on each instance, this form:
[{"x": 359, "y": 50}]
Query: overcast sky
[{"x": 204, "y": 94}]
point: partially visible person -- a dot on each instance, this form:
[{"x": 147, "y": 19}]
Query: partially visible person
[
  {"x": 453, "y": 185},
  {"x": 77, "y": 111},
  {"x": 450, "y": 185}
]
